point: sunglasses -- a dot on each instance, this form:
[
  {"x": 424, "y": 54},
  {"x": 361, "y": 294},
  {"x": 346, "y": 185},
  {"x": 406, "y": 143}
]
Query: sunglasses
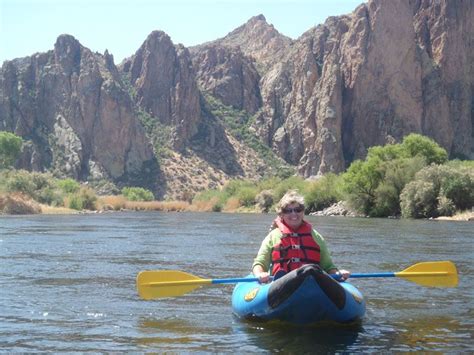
[{"x": 296, "y": 210}]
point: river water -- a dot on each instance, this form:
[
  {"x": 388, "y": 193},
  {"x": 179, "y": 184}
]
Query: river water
[{"x": 68, "y": 284}]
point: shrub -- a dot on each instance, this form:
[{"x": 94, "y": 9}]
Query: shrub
[
  {"x": 264, "y": 200},
  {"x": 69, "y": 186},
  {"x": 373, "y": 186},
  {"x": 445, "y": 206},
  {"x": 10, "y": 148},
  {"x": 246, "y": 196},
  {"x": 458, "y": 187},
  {"x": 84, "y": 199},
  {"x": 418, "y": 145},
  {"x": 323, "y": 192},
  {"x": 291, "y": 183},
  {"x": 447, "y": 185},
  {"x": 137, "y": 194},
  {"x": 20, "y": 181},
  {"x": 418, "y": 199}
]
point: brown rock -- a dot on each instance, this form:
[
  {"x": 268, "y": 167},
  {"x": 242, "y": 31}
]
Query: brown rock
[
  {"x": 71, "y": 105},
  {"x": 165, "y": 85}
]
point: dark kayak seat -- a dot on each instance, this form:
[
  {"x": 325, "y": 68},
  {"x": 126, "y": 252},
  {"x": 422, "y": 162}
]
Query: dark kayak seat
[{"x": 283, "y": 287}]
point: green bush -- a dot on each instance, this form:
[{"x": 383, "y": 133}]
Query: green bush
[
  {"x": 137, "y": 194},
  {"x": 10, "y": 148},
  {"x": 373, "y": 186},
  {"x": 84, "y": 199},
  {"x": 418, "y": 145},
  {"x": 418, "y": 199},
  {"x": 232, "y": 188},
  {"x": 50, "y": 196},
  {"x": 246, "y": 196},
  {"x": 20, "y": 181},
  {"x": 208, "y": 195},
  {"x": 264, "y": 200},
  {"x": 438, "y": 189},
  {"x": 323, "y": 192},
  {"x": 69, "y": 186},
  {"x": 458, "y": 187},
  {"x": 446, "y": 207},
  {"x": 291, "y": 183}
]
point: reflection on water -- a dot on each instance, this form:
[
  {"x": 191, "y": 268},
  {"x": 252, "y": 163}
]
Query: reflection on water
[
  {"x": 68, "y": 285},
  {"x": 429, "y": 334},
  {"x": 327, "y": 337}
]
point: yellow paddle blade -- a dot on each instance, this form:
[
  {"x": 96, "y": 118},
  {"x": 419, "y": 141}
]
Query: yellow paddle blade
[
  {"x": 167, "y": 283},
  {"x": 431, "y": 273}
]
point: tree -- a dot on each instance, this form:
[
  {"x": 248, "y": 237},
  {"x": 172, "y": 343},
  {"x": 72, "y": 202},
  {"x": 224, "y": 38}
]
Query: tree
[
  {"x": 10, "y": 148},
  {"x": 438, "y": 189},
  {"x": 418, "y": 145},
  {"x": 373, "y": 186}
]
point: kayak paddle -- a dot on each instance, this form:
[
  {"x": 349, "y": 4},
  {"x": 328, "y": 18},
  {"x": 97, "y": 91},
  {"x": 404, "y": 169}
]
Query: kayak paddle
[
  {"x": 171, "y": 283},
  {"x": 429, "y": 273}
]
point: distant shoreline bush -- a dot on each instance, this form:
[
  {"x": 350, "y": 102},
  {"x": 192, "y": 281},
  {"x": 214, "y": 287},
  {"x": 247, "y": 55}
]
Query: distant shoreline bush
[{"x": 412, "y": 179}]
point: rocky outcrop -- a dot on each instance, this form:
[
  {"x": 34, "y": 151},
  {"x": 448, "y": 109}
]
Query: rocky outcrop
[
  {"x": 371, "y": 77},
  {"x": 228, "y": 75},
  {"x": 368, "y": 78},
  {"x": 379, "y": 81},
  {"x": 258, "y": 40},
  {"x": 338, "y": 209},
  {"x": 164, "y": 81},
  {"x": 71, "y": 106}
]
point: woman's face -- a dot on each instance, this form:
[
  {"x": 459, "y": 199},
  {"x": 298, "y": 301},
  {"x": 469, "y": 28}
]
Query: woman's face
[{"x": 293, "y": 215}]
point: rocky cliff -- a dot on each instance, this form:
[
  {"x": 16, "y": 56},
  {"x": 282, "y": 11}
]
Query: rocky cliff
[
  {"x": 78, "y": 119},
  {"x": 370, "y": 77}
]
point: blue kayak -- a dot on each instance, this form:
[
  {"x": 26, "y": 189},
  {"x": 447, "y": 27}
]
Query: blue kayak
[{"x": 304, "y": 296}]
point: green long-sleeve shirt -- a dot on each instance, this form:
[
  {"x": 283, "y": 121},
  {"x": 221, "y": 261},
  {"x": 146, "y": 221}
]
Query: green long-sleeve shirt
[{"x": 264, "y": 255}]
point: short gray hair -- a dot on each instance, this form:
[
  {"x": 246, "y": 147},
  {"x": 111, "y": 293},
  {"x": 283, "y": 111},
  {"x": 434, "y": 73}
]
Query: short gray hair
[{"x": 290, "y": 197}]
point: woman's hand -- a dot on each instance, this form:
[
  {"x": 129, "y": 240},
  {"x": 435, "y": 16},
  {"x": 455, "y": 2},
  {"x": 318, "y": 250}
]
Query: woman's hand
[
  {"x": 262, "y": 275},
  {"x": 342, "y": 274}
]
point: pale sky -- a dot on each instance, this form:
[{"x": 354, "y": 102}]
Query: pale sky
[{"x": 121, "y": 26}]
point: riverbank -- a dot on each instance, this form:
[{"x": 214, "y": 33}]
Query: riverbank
[
  {"x": 462, "y": 216},
  {"x": 19, "y": 204}
]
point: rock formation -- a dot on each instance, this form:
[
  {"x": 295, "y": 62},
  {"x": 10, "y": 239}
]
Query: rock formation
[
  {"x": 165, "y": 85},
  {"x": 367, "y": 78},
  {"x": 70, "y": 105}
]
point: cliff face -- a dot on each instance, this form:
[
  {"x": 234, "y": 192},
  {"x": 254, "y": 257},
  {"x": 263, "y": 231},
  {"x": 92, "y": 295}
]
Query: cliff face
[
  {"x": 71, "y": 106},
  {"x": 368, "y": 78},
  {"x": 227, "y": 74},
  {"x": 165, "y": 85},
  {"x": 371, "y": 77}
]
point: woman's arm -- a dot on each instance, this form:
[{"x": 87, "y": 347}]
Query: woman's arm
[{"x": 262, "y": 261}]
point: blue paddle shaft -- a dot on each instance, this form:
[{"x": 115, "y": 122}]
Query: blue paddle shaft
[
  {"x": 232, "y": 281},
  {"x": 336, "y": 276},
  {"x": 377, "y": 274}
]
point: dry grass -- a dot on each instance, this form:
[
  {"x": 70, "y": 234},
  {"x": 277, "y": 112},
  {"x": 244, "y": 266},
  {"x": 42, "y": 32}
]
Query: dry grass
[
  {"x": 118, "y": 203},
  {"x": 17, "y": 203},
  {"x": 166, "y": 206},
  {"x": 205, "y": 206},
  {"x": 111, "y": 203},
  {"x": 46, "y": 209},
  {"x": 460, "y": 216},
  {"x": 232, "y": 205}
]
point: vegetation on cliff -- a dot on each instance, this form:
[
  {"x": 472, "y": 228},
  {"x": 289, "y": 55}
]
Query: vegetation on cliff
[{"x": 412, "y": 179}]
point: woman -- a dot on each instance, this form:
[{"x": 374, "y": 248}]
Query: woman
[{"x": 292, "y": 243}]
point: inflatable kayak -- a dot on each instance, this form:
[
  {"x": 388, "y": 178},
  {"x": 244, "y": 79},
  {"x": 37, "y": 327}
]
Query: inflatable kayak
[{"x": 303, "y": 296}]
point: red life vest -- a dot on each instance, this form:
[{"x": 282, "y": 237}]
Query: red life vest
[{"x": 296, "y": 248}]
